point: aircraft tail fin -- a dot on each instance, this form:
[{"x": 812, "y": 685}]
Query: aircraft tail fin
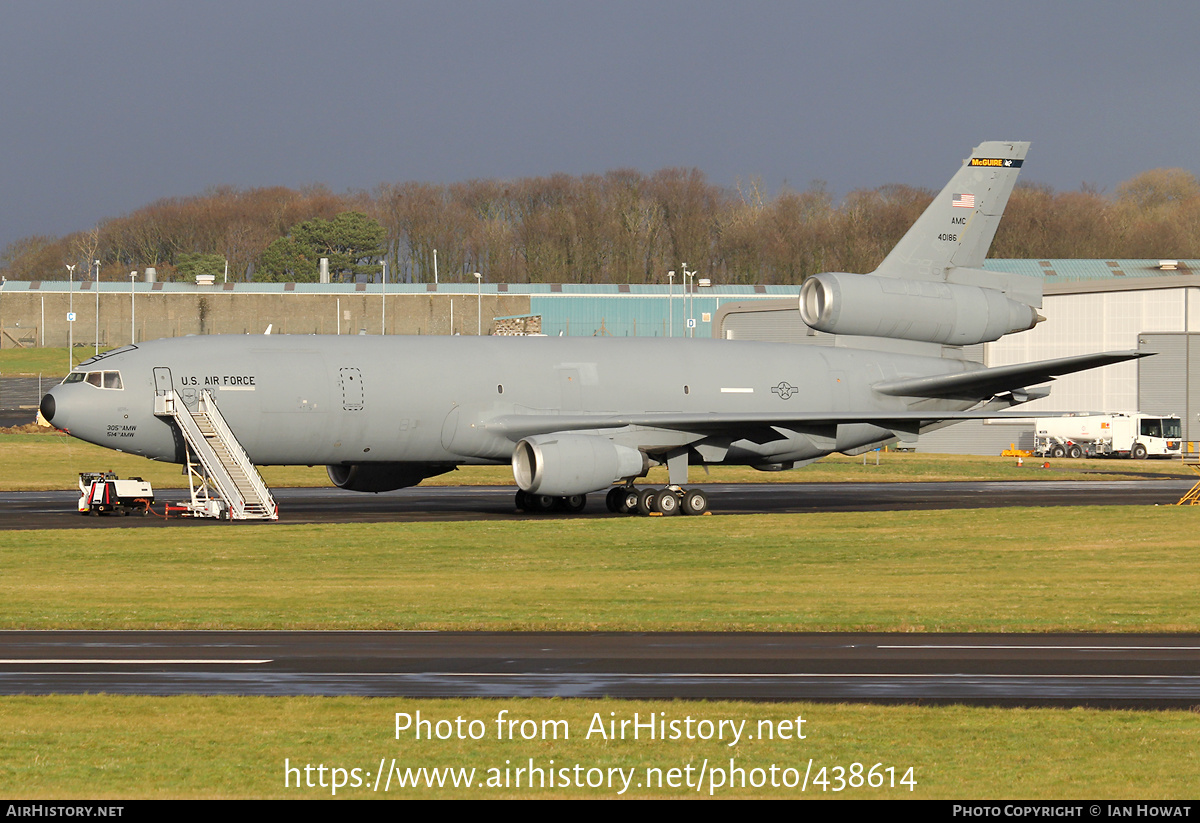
[
  {"x": 931, "y": 287},
  {"x": 957, "y": 228}
]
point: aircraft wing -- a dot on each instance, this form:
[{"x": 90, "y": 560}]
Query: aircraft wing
[
  {"x": 739, "y": 425},
  {"x": 983, "y": 382},
  {"x": 974, "y": 385}
]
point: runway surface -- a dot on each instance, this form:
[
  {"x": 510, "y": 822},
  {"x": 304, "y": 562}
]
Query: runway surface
[
  {"x": 54, "y": 510},
  {"x": 1134, "y": 671}
]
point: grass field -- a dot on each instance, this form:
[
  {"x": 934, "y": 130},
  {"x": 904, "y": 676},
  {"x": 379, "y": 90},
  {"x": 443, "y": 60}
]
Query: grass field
[
  {"x": 49, "y": 361},
  {"x": 113, "y": 747},
  {"x": 1060, "y": 569}
]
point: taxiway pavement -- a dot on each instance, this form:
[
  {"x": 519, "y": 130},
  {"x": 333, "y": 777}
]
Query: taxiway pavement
[
  {"x": 1127, "y": 670},
  {"x": 57, "y": 509}
]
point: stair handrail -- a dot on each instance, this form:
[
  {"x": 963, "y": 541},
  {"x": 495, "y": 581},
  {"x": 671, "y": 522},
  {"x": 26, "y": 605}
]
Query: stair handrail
[{"x": 208, "y": 405}]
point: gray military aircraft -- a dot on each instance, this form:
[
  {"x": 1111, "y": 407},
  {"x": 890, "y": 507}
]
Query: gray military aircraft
[{"x": 575, "y": 416}]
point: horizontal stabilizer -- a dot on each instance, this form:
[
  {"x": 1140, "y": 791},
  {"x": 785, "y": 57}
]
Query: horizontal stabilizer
[{"x": 982, "y": 382}]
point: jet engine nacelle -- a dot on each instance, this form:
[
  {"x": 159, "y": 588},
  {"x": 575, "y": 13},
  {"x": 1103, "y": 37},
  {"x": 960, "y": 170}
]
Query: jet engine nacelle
[
  {"x": 380, "y": 477},
  {"x": 565, "y": 464},
  {"x": 927, "y": 310}
]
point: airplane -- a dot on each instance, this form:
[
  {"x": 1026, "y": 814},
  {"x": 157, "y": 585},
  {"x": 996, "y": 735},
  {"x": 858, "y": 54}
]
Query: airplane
[{"x": 576, "y": 416}]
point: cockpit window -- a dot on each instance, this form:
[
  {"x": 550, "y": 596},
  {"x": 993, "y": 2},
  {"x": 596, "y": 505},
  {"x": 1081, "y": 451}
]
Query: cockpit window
[{"x": 99, "y": 379}]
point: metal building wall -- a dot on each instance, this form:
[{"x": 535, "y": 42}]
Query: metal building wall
[
  {"x": 782, "y": 325},
  {"x": 978, "y": 437},
  {"x": 1165, "y": 382},
  {"x": 1094, "y": 322}
]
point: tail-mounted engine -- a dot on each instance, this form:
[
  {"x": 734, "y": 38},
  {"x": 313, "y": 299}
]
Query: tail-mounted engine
[{"x": 927, "y": 310}]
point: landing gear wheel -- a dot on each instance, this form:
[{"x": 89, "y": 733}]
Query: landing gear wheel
[
  {"x": 1075, "y": 453},
  {"x": 1058, "y": 451},
  {"x": 666, "y": 502},
  {"x": 572, "y": 504},
  {"x": 645, "y": 504},
  {"x": 1138, "y": 452},
  {"x": 541, "y": 503},
  {"x": 629, "y": 500},
  {"x": 534, "y": 503},
  {"x": 614, "y": 499},
  {"x": 694, "y": 502}
]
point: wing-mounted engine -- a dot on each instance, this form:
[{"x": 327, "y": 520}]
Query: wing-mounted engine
[
  {"x": 926, "y": 310},
  {"x": 381, "y": 477},
  {"x": 567, "y": 464}
]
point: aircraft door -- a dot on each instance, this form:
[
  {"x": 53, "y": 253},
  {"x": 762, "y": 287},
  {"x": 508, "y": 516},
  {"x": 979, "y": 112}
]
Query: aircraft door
[
  {"x": 162, "y": 380},
  {"x": 163, "y": 384}
]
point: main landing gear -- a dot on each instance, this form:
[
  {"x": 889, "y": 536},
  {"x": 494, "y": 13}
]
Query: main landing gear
[
  {"x": 665, "y": 502},
  {"x": 621, "y": 500},
  {"x": 545, "y": 503}
]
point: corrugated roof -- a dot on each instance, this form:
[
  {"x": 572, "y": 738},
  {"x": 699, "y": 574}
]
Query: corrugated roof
[
  {"x": 573, "y": 289},
  {"x": 1065, "y": 270}
]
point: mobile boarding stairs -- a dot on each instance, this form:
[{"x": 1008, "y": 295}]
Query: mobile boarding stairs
[
  {"x": 223, "y": 481},
  {"x": 1192, "y": 460}
]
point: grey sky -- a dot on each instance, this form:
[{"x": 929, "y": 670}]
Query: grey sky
[{"x": 107, "y": 106}]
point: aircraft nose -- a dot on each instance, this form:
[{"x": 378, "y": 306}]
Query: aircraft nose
[{"x": 47, "y": 408}]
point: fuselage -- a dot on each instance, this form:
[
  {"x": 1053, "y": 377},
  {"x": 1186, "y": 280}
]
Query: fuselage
[{"x": 427, "y": 400}]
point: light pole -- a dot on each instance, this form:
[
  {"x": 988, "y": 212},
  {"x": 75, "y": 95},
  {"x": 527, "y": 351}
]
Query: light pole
[
  {"x": 479, "y": 303},
  {"x": 132, "y": 311},
  {"x": 70, "y": 316},
  {"x": 688, "y": 277},
  {"x": 686, "y": 312},
  {"x": 383, "y": 301},
  {"x": 671, "y": 303},
  {"x": 96, "y": 286}
]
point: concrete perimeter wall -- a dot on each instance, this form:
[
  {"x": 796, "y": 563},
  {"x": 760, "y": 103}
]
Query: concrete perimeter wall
[
  {"x": 40, "y": 317},
  {"x": 35, "y": 313}
]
